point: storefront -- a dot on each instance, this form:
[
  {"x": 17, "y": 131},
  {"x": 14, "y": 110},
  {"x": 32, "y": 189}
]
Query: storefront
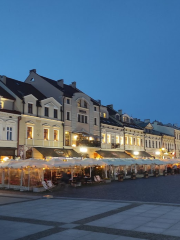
[
  {"x": 7, "y": 153},
  {"x": 47, "y": 153},
  {"x": 111, "y": 154}
]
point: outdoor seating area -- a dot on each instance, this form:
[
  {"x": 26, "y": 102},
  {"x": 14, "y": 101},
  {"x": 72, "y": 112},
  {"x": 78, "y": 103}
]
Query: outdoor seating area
[{"x": 38, "y": 175}]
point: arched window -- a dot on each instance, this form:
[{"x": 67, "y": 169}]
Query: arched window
[{"x": 117, "y": 116}]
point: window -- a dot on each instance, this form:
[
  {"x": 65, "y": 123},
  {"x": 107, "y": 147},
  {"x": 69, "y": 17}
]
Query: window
[
  {"x": 79, "y": 118},
  {"x": 126, "y": 140},
  {"x": 152, "y": 144},
  {"x": 130, "y": 140},
  {"x": 138, "y": 141},
  {"x": 67, "y": 139},
  {"x": 122, "y": 140},
  {"x": 55, "y": 113},
  {"x": 79, "y": 103},
  {"x": 68, "y": 116},
  {"x": 46, "y": 111},
  {"x": 117, "y": 117},
  {"x": 30, "y": 108},
  {"x": 159, "y": 144},
  {"x": 85, "y": 119},
  {"x": 156, "y": 145},
  {"x": 95, "y": 109},
  {"x": 56, "y": 135},
  {"x": 82, "y": 118},
  {"x": 104, "y": 115},
  {"x": 9, "y": 133},
  {"x": 85, "y": 104},
  {"x": 141, "y": 143},
  {"x": 95, "y": 121},
  {"x": 68, "y": 101},
  {"x": 29, "y": 133},
  {"x": 149, "y": 144},
  {"x": 1, "y": 104},
  {"x": 146, "y": 143},
  {"x": 103, "y": 137},
  {"x": 108, "y": 138},
  {"x": 46, "y": 134},
  {"x": 117, "y": 139},
  {"x": 134, "y": 141}
]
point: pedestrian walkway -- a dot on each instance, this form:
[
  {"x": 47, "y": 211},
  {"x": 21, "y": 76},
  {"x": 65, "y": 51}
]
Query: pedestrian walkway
[{"x": 50, "y": 219}]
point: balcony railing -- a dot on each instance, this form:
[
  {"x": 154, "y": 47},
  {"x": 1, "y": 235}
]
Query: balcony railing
[
  {"x": 88, "y": 143},
  {"x": 115, "y": 145}
]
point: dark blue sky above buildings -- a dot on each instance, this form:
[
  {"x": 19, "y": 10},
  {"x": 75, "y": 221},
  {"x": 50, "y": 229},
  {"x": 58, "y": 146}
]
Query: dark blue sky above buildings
[{"x": 125, "y": 52}]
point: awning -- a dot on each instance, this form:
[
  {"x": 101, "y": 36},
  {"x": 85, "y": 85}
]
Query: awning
[
  {"x": 140, "y": 153},
  {"x": 113, "y": 154},
  {"x": 6, "y": 151},
  {"x": 57, "y": 152}
]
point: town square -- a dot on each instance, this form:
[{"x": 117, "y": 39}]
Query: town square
[{"x": 89, "y": 120}]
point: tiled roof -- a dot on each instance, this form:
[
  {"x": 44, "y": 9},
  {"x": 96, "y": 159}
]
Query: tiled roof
[
  {"x": 110, "y": 121},
  {"x": 67, "y": 89},
  {"x": 22, "y": 89},
  {"x": 10, "y": 111},
  {"x": 5, "y": 94}
]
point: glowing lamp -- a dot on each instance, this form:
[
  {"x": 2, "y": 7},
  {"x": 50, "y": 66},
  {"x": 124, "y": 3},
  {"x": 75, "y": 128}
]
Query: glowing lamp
[
  {"x": 83, "y": 149},
  {"x": 136, "y": 153}
]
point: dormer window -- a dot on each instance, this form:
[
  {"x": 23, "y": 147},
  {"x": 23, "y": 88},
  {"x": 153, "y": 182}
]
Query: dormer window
[
  {"x": 30, "y": 108},
  {"x": 85, "y": 104},
  {"x": 55, "y": 113},
  {"x": 79, "y": 103},
  {"x": 68, "y": 101},
  {"x": 46, "y": 112},
  {"x": 117, "y": 116},
  {"x": 1, "y": 104},
  {"x": 104, "y": 115}
]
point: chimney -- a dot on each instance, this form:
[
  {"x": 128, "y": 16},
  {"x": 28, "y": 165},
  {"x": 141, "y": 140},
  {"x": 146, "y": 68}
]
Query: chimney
[
  {"x": 73, "y": 84},
  {"x": 60, "y": 82},
  {"x": 120, "y": 112},
  {"x": 99, "y": 101},
  {"x": 32, "y": 70},
  {"x": 3, "y": 78},
  {"x": 110, "y": 106},
  {"x": 147, "y": 120}
]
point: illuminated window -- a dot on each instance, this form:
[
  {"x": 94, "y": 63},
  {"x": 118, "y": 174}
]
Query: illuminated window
[
  {"x": 108, "y": 138},
  {"x": 56, "y": 135},
  {"x": 9, "y": 133},
  {"x": 79, "y": 103},
  {"x": 46, "y": 134},
  {"x": 104, "y": 115},
  {"x": 130, "y": 141},
  {"x": 117, "y": 139},
  {"x": 30, "y": 108},
  {"x": 1, "y": 104},
  {"x": 138, "y": 141},
  {"x": 122, "y": 140},
  {"x": 67, "y": 139},
  {"x": 29, "y": 132},
  {"x": 126, "y": 140},
  {"x": 103, "y": 137}
]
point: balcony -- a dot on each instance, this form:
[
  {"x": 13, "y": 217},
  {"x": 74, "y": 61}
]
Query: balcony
[
  {"x": 115, "y": 145},
  {"x": 88, "y": 143}
]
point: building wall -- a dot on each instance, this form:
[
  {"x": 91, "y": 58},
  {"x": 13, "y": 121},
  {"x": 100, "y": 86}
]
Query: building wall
[
  {"x": 134, "y": 139},
  {"x": 149, "y": 147}
]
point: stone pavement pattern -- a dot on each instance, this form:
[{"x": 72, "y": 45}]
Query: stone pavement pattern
[{"x": 30, "y": 218}]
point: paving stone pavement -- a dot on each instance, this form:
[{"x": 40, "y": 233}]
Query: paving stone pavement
[{"x": 26, "y": 218}]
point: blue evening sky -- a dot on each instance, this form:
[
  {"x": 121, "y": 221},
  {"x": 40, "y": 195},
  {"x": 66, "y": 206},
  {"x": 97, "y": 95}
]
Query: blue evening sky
[{"x": 125, "y": 52}]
